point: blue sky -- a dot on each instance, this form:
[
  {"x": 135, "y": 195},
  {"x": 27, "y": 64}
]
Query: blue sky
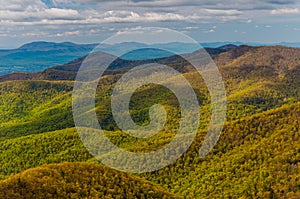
[{"x": 91, "y": 21}]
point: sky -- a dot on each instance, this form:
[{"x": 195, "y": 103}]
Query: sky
[{"x": 92, "y": 21}]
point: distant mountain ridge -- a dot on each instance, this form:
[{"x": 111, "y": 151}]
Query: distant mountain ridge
[
  {"x": 68, "y": 71},
  {"x": 229, "y": 57},
  {"x": 48, "y": 46},
  {"x": 38, "y": 56}
]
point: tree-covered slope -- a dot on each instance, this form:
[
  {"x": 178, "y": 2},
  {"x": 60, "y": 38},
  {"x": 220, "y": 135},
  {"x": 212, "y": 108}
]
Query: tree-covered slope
[
  {"x": 38, "y": 106},
  {"x": 26, "y": 152},
  {"x": 79, "y": 180},
  {"x": 28, "y": 107},
  {"x": 256, "y": 156}
]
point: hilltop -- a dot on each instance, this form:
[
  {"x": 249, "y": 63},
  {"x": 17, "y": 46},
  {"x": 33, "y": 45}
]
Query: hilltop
[{"x": 79, "y": 180}]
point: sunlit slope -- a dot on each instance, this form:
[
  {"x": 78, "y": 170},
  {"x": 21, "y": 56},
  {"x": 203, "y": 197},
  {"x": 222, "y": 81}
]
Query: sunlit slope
[
  {"x": 263, "y": 76},
  {"x": 79, "y": 180},
  {"x": 247, "y": 65},
  {"x": 256, "y": 156},
  {"x": 19, "y": 154},
  {"x": 29, "y": 107}
]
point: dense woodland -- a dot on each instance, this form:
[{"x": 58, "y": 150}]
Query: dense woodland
[
  {"x": 257, "y": 155},
  {"x": 79, "y": 180}
]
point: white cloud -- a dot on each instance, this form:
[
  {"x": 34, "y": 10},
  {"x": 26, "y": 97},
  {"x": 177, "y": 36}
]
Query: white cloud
[
  {"x": 126, "y": 16},
  {"x": 34, "y": 34},
  {"x": 191, "y": 27},
  {"x": 61, "y": 13},
  {"x": 141, "y": 30},
  {"x": 22, "y": 5},
  {"x": 39, "y": 14},
  {"x": 67, "y": 34},
  {"x": 35, "y": 12},
  {"x": 55, "y": 16},
  {"x": 210, "y": 31},
  {"x": 130, "y": 32},
  {"x": 285, "y": 11},
  {"x": 59, "y": 18},
  {"x": 223, "y": 12}
]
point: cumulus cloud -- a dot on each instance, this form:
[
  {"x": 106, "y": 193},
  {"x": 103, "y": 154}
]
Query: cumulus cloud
[
  {"x": 38, "y": 12},
  {"x": 22, "y": 5},
  {"x": 31, "y": 10},
  {"x": 63, "y": 18},
  {"x": 57, "y": 16}
]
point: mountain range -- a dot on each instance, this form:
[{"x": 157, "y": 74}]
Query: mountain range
[
  {"x": 257, "y": 155},
  {"x": 37, "y": 56}
]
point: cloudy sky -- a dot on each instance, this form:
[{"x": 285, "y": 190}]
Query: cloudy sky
[{"x": 89, "y": 21}]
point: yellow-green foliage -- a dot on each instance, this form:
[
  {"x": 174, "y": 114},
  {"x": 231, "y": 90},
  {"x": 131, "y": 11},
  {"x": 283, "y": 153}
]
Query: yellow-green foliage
[
  {"x": 79, "y": 180},
  {"x": 19, "y": 154},
  {"x": 257, "y": 155},
  {"x": 29, "y": 107}
]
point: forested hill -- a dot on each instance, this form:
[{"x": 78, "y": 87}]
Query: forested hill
[
  {"x": 242, "y": 59},
  {"x": 79, "y": 180},
  {"x": 68, "y": 71},
  {"x": 257, "y": 155}
]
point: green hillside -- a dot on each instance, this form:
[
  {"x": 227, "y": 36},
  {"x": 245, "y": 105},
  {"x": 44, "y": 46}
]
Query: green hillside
[
  {"x": 78, "y": 180},
  {"x": 27, "y": 152},
  {"x": 257, "y": 155},
  {"x": 29, "y": 107}
]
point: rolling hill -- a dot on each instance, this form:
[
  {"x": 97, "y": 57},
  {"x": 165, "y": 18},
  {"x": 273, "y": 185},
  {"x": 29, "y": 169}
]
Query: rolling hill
[
  {"x": 78, "y": 180},
  {"x": 257, "y": 155}
]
